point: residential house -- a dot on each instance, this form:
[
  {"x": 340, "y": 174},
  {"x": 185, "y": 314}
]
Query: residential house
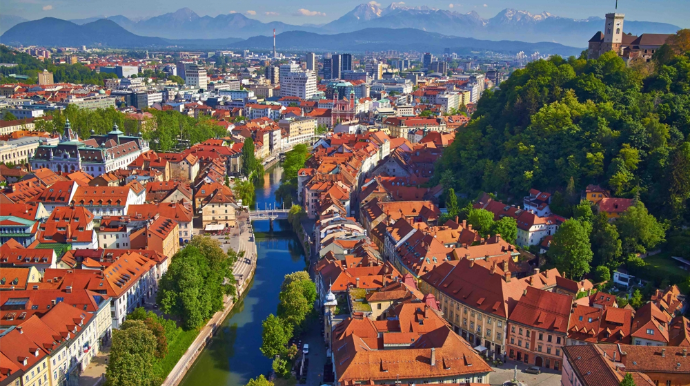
[{"x": 538, "y": 328}]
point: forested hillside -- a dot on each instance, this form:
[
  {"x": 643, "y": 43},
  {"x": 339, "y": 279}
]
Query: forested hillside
[
  {"x": 30, "y": 66},
  {"x": 561, "y": 124}
]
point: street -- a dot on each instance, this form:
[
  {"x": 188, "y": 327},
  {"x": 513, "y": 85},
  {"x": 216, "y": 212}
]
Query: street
[{"x": 505, "y": 372}]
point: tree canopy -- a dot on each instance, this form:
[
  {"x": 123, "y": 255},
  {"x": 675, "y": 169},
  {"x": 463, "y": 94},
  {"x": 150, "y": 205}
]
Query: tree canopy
[
  {"x": 132, "y": 356},
  {"x": 570, "y": 249},
  {"x": 196, "y": 282},
  {"x": 586, "y": 121}
]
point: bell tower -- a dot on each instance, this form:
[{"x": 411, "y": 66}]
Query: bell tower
[{"x": 613, "y": 32}]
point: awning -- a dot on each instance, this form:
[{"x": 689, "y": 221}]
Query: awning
[
  {"x": 480, "y": 348},
  {"x": 214, "y": 227}
]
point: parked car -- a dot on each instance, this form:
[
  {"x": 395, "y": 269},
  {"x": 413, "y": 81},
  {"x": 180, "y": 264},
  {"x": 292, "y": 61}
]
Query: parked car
[
  {"x": 305, "y": 349},
  {"x": 533, "y": 370}
]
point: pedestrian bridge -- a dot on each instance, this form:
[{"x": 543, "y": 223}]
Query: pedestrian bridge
[{"x": 268, "y": 214}]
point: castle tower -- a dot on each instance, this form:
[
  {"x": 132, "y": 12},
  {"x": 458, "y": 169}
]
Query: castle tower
[{"x": 613, "y": 32}]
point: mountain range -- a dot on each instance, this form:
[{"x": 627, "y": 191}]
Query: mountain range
[
  {"x": 509, "y": 24},
  {"x": 107, "y": 33}
]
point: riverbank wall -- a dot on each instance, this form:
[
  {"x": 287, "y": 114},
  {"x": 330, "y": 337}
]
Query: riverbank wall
[{"x": 209, "y": 330}]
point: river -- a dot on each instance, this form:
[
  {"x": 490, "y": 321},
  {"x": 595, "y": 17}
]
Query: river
[{"x": 233, "y": 357}]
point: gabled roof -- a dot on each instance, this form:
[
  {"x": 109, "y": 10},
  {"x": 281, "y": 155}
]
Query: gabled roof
[{"x": 543, "y": 310}]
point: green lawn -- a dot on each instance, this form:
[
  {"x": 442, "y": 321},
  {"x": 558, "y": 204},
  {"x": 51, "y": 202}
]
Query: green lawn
[
  {"x": 660, "y": 267},
  {"x": 175, "y": 351}
]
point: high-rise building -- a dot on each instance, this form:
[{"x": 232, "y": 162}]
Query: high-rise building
[
  {"x": 346, "y": 64},
  {"x": 288, "y": 68},
  {"x": 273, "y": 74},
  {"x": 327, "y": 67},
  {"x": 428, "y": 58},
  {"x": 181, "y": 66},
  {"x": 336, "y": 66},
  {"x": 45, "y": 78},
  {"x": 274, "y": 43},
  {"x": 298, "y": 84},
  {"x": 196, "y": 77},
  {"x": 311, "y": 62}
]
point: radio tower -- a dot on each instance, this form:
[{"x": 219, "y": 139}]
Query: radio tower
[{"x": 274, "y": 43}]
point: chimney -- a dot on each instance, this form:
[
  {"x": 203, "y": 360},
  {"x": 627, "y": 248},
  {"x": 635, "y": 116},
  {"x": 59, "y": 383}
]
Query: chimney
[
  {"x": 498, "y": 237},
  {"x": 536, "y": 271},
  {"x": 471, "y": 263},
  {"x": 505, "y": 266},
  {"x": 19, "y": 328},
  {"x": 663, "y": 353},
  {"x": 357, "y": 283},
  {"x": 685, "y": 352},
  {"x": 456, "y": 219},
  {"x": 464, "y": 223},
  {"x": 433, "y": 356},
  {"x": 614, "y": 355},
  {"x": 546, "y": 273},
  {"x": 508, "y": 276}
]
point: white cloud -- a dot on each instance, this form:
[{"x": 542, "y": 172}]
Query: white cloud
[
  {"x": 271, "y": 13},
  {"x": 375, "y": 3},
  {"x": 251, "y": 12},
  {"x": 485, "y": 5},
  {"x": 232, "y": 12},
  {"x": 47, "y": 7},
  {"x": 306, "y": 12}
]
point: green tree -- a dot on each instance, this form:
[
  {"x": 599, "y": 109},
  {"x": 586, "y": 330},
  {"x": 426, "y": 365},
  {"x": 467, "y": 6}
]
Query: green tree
[
  {"x": 606, "y": 243},
  {"x": 281, "y": 367},
  {"x": 246, "y": 191},
  {"x": 636, "y": 300},
  {"x": 249, "y": 160},
  {"x": 259, "y": 381},
  {"x": 198, "y": 279},
  {"x": 321, "y": 129},
  {"x": 639, "y": 230},
  {"x": 9, "y": 117},
  {"x": 132, "y": 356},
  {"x": 627, "y": 380},
  {"x": 507, "y": 228},
  {"x": 176, "y": 79},
  {"x": 622, "y": 301},
  {"x": 452, "y": 203},
  {"x": 156, "y": 329},
  {"x": 293, "y": 306},
  {"x": 295, "y": 216},
  {"x": 678, "y": 180},
  {"x": 602, "y": 274},
  {"x": 570, "y": 249},
  {"x": 482, "y": 220},
  {"x": 275, "y": 336}
]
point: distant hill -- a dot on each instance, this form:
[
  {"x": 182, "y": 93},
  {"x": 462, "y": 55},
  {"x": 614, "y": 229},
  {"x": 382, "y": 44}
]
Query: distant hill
[
  {"x": 186, "y": 24},
  {"x": 56, "y": 32},
  {"x": 377, "y": 39},
  {"x": 9, "y": 21}
]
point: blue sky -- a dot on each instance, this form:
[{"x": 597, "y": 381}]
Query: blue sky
[{"x": 319, "y": 11}]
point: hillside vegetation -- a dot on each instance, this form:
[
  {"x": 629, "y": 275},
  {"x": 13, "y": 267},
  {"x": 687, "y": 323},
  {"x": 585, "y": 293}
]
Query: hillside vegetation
[{"x": 561, "y": 124}]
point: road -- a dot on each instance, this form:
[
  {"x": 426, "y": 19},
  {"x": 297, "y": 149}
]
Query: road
[{"x": 506, "y": 371}]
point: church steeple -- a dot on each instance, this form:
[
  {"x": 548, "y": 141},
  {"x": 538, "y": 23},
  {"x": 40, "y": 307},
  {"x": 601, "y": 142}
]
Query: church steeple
[{"x": 69, "y": 135}]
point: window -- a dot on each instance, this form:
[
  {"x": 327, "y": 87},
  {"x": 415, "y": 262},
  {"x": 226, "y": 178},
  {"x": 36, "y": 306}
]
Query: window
[
  {"x": 548, "y": 350},
  {"x": 541, "y": 336},
  {"x": 519, "y": 343},
  {"x": 558, "y": 340},
  {"x": 488, "y": 332},
  {"x": 526, "y": 358},
  {"x": 528, "y": 333},
  {"x": 558, "y": 353},
  {"x": 498, "y": 336},
  {"x": 650, "y": 331},
  {"x": 512, "y": 340},
  {"x": 520, "y": 330},
  {"x": 549, "y": 338},
  {"x": 512, "y": 329},
  {"x": 526, "y": 344},
  {"x": 500, "y": 324},
  {"x": 539, "y": 348},
  {"x": 488, "y": 320}
]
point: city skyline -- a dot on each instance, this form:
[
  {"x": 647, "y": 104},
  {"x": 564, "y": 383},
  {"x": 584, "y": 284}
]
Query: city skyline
[{"x": 316, "y": 13}]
